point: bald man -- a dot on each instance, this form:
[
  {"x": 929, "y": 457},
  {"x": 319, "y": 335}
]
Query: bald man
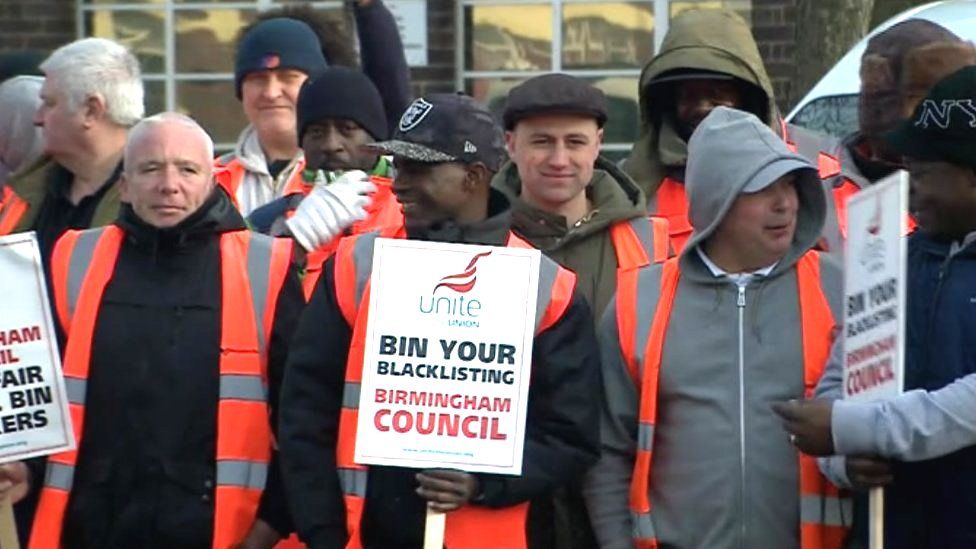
[{"x": 171, "y": 362}]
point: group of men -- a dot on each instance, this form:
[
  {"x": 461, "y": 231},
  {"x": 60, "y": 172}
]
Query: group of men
[{"x": 707, "y": 260}]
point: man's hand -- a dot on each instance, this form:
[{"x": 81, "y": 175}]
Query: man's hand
[
  {"x": 808, "y": 423},
  {"x": 868, "y": 472},
  {"x": 446, "y": 490},
  {"x": 261, "y": 536},
  {"x": 14, "y": 481}
]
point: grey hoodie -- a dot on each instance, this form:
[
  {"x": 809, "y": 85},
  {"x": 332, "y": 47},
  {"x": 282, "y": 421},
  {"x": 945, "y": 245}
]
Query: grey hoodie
[{"x": 724, "y": 473}]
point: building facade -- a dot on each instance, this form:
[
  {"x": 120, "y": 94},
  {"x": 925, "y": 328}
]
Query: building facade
[{"x": 483, "y": 47}]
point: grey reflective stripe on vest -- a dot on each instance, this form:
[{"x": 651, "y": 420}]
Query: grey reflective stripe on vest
[
  {"x": 76, "y": 389},
  {"x": 362, "y": 256},
  {"x": 78, "y": 263},
  {"x": 643, "y": 527},
  {"x": 243, "y": 387},
  {"x": 258, "y": 273},
  {"x": 353, "y": 481},
  {"x": 644, "y": 230},
  {"x": 226, "y": 158},
  {"x": 350, "y": 395},
  {"x": 648, "y": 293},
  {"x": 826, "y": 510},
  {"x": 548, "y": 270},
  {"x": 251, "y": 475},
  {"x": 645, "y": 436},
  {"x": 59, "y": 476}
]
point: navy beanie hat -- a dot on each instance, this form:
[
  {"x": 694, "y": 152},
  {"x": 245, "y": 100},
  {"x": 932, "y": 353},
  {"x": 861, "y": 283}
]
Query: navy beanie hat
[
  {"x": 278, "y": 43},
  {"x": 342, "y": 92}
]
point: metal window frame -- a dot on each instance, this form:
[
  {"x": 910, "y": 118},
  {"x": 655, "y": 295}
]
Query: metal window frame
[
  {"x": 170, "y": 77},
  {"x": 462, "y": 75}
]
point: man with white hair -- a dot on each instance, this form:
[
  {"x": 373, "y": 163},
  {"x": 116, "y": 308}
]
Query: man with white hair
[
  {"x": 21, "y": 142},
  {"x": 174, "y": 347},
  {"x": 92, "y": 95}
]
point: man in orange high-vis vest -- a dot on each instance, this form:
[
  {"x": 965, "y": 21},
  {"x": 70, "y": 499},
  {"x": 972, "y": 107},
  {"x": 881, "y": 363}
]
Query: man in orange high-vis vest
[
  {"x": 175, "y": 320},
  {"x": 695, "y": 354},
  {"x": 446, "y": 149},
  {"x": 708, "y": 58},
  {"x": 583, "y": 212},
  {"x": 338, "y": 112},
  {"x": 898, "y": 68}
]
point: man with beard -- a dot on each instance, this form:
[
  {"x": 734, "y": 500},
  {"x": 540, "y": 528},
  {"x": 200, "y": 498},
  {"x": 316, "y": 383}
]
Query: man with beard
[
  {"x": 708, "y": 59},
  {"x": 338, "y": 113}
]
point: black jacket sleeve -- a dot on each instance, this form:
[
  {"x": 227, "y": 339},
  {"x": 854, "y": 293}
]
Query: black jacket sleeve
[
  {"x": 273, "y": 508},
  {"x": 563, "y": 419},
  {"x": 311, "y": 401},
  {"x": 382, "y": 58}
]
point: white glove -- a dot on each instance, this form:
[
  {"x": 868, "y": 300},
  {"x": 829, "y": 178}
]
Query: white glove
[{"x": 330, "y": 209}]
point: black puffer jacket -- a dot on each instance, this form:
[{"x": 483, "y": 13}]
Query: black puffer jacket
[
  {"x": 562, "y": 421},
  {"x": 146, "y": 467}
]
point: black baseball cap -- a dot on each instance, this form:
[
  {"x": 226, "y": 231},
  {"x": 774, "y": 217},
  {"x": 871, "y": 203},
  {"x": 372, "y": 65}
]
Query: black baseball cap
[
  {"x": 554, "y": 93},
  {"x": 446, "y": 128},
  {"x": 942, "y": 126}
]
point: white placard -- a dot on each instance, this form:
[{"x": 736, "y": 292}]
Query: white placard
[
  {"x": 411, "y": 18},
  {"x": 34, "y": 417},
  {"x": 448, "y": 356},
  {"x": 874, "y": 290}
]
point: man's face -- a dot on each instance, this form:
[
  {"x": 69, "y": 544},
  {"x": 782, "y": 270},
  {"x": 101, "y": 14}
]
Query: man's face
[
  {"x": 335, "y": 144},
  {"x": 62, "y": 128},
  {"x": 269, "y": 98},
  {"x": 943, "y": 198},
  {"x": 696, "y": 97},
  {"x": 430, "y": 193},
  {"x": 167, "y": 174},
  {"x": 760, "y": 226},
  {"x": 554, "y": 155}
]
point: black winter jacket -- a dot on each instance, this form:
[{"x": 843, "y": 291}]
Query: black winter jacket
[
  {"x": 562, "y": 421},
  {"x": 146, "y": 468}
]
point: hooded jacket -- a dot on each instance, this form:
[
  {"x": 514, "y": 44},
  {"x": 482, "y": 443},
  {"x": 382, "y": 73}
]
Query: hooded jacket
[
  {"x": 724, "y": 475},
  {"x": 585, "y": 248},
  {"x": 697, "y": 40}
]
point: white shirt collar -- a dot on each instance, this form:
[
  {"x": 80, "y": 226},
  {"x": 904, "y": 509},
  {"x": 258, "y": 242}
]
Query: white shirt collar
[{"x": 740, "y": 278}]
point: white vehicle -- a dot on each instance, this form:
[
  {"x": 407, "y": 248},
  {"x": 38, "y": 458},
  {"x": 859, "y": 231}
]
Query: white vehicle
[{"x": 831, "y": 105}]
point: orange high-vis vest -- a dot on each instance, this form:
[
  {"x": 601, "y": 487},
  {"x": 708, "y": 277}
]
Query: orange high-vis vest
[
  {"x": 638, "y": 242},
  {"x": 383, "y": 212},
  {"x": 672, "y": 204},
  {"x": 822, "y": 508},
  {"x": 253, "y": 268},
  {"x": 12, "y": 209},
  {"x": 472, "y": 526},
  {"x": 229, "y": 173}
]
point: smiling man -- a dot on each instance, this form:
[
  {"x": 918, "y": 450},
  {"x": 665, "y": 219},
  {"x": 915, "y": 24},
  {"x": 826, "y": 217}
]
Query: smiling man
[
  {"x": 185, "y": 290},
  {"x": 446, "y": 149},
  {"x": 691, "y": 454},
  {"x": 927, "y": 432}
]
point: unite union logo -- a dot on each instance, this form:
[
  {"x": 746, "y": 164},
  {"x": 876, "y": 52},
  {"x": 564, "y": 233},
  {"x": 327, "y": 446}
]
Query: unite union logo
[{"x": 460, "y": 310}]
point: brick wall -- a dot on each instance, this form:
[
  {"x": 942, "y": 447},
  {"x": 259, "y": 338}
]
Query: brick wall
[
  {"x": 36, "y": 24},
  {"x": 773, "y": 25}
]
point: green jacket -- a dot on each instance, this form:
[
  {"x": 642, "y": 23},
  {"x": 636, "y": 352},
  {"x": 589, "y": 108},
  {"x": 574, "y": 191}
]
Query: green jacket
[
  {"x": 712, "y": 40},
  {"x": 585, "y": 248},
  {"x": 31, "y": 186}
]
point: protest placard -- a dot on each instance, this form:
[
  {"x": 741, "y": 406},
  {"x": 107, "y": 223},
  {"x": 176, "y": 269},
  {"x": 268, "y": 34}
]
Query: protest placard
[
  {"x": 875, "y": 274},
  {"x": 34, "y": 417},
  {"x": 874, "y": 290},
  {"x": 448, "y": 356}
]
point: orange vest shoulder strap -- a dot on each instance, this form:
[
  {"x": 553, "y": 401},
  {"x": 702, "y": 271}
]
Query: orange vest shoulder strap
[
  {"x": 74, "y": 254},
  {"x": 12, "y": 209},
  {"x": 353, "y": 266},
  {"x": 296, "y": 183},
  {"x": 229, "y": 173},
  {"x": 556, "y": 287}
]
